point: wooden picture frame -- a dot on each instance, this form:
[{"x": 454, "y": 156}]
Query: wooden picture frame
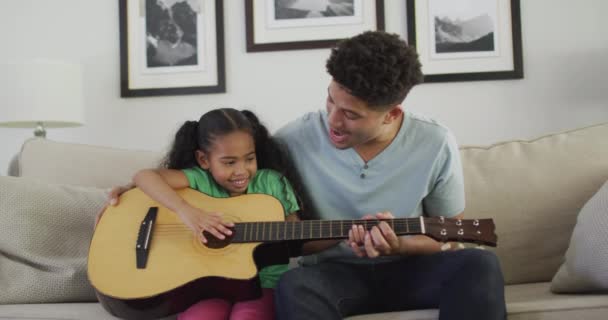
[
  {"x": 273, "y": 25},
  {"x": 171, "y": 47}
]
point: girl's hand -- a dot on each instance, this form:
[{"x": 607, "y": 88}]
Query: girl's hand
[
  {"x": 115, "y": 192},
  {"x": 198, "y": 221},
  {"x": 113, "y": 195}
]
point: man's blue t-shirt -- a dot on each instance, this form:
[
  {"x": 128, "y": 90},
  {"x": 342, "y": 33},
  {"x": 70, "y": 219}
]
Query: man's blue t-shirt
[{"x": 418, "y": 173}]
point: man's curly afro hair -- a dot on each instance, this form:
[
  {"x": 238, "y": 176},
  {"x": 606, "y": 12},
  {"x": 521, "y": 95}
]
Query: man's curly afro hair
[{"x": 376, "y": 67}]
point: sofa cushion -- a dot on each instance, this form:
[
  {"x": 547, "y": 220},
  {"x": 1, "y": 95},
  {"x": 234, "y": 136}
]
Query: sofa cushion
[
  {"x": 80, "y": 164},
  {"x": 531, "y": 301},
  {"x": 534, "y": 191},
  {"x": 58, "y": 311},
  {"x": 45, "y": 232},
  {"x": 586, "y": 265}
]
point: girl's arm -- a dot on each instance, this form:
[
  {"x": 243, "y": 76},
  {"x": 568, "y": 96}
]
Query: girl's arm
[{"x": 160, "y": 185}]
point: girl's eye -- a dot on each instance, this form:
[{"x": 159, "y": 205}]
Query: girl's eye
[
  {"x": 250, "y": 159},
  {"x": 229, "y": 163}
]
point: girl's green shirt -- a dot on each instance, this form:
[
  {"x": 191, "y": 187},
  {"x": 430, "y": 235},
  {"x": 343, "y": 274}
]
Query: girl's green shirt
[{"x": 265, "y": 181}]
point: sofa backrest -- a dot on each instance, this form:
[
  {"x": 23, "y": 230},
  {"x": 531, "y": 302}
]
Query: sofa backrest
[
  {"x": 80, "y": 164},
  {"x": 533, "y": 189}
]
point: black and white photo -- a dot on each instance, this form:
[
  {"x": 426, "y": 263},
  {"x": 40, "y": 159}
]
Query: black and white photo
[
  {"x": 171, "y": 32},
  {"x": 463, "y": 26},
  {"x": 304, "y": 9},
  {"x": 313, "y": 13}
]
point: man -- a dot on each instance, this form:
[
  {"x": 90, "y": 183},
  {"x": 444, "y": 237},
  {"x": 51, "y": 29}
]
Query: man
[{"x": 364, "y": 154}]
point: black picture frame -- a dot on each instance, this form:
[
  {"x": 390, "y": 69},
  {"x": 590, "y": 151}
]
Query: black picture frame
[
  {"x": 257, "y": 10},
  {"x": 143, "y": 74},
  {"x": 438, "y": 70}
]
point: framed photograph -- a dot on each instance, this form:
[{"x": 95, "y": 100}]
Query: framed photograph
[
  {"x": 465, "y": 40},
  {"x": 308, "y": 24},
  {"x": 171, "y": 47}
]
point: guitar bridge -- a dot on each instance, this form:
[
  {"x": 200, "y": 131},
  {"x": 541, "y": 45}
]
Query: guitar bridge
[{"x": 142, "y": 247}]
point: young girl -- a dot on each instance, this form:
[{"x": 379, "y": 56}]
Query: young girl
[{"x": 219, "y": 155}]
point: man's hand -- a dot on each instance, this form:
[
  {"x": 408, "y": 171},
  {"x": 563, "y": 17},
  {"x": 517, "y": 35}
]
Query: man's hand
[{"x": 380, "y": 240}]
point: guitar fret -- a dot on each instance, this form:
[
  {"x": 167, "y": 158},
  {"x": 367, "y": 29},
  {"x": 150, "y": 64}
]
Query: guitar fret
[
  {"x": 330, "y": 229},
  {"x": 277, "y": 232},
  {"x": 293, "y": 230},
  {"x": 257, "y": 229},
  {"x": 285, "y": 230},
  {"x": 310, "y": 225},
  {"x": 341, "y": 228},
  {"x": 263, "y": 230},
  {"x": 320, "y": 229},
  {"x": 270, "y": 231}
]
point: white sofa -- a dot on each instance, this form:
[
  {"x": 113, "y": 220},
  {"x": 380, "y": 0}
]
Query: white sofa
[{"x": 533, "y": 190}]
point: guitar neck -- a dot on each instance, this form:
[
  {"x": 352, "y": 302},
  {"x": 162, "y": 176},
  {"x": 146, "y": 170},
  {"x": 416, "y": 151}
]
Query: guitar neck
[{"x": 316, "y": 229}]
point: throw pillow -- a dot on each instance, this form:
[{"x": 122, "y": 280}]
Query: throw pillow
[
  {"x": 586, "y": 265},
  {"x": 45, "y": 232}
]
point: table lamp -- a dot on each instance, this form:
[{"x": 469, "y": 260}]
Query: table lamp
[{"x": 41, "y": 94}]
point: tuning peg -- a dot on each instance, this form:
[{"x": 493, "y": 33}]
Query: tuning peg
[
  {"x": 480, "y": 247},
  {"x": 460, "y": 245}
]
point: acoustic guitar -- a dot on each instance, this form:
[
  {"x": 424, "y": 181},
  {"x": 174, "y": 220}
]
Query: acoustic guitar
[{"x": 145, "y": 263}]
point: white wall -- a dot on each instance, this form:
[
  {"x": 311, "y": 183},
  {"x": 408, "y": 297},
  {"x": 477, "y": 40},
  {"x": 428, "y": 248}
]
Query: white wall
[{"x": 565, "y": 47}]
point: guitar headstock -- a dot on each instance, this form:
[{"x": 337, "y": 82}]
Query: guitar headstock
[{"x": 480, "y": 231}]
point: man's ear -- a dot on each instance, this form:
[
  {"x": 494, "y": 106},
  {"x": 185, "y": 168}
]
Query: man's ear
[
  {"x": 393, "y": 114},
  {"x": 202, "y": 159}
]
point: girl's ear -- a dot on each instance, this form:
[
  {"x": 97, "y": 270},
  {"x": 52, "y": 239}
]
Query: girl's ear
[{"x": 202, "y": 159}]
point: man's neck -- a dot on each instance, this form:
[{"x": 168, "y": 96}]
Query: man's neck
[{"x": 371, "y": 149}]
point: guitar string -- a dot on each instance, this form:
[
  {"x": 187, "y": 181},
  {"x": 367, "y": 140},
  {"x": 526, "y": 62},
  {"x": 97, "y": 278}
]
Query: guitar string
[
  {"x": 281, "y": 225},
  {"x": 310, "y": 227}
]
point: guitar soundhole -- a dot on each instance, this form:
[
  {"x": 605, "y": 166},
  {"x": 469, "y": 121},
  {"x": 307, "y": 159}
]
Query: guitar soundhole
[{"x": 215, "y": 243}]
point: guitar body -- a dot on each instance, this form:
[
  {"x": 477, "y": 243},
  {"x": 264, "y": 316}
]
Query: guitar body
[{"x": 180, "y": 270}]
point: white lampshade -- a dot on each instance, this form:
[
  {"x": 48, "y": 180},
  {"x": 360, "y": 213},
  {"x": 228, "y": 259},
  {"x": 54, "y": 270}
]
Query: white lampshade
[{"x": 41, "y": 93}]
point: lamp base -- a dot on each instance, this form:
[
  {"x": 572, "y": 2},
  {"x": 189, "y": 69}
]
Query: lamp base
[{"x": 40, "y": 132}]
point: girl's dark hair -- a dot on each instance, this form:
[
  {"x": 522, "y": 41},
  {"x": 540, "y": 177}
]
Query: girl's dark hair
[{"x": 200, "y": 135}]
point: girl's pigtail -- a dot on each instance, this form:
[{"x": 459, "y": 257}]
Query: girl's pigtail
[
  {"x": 182, "y": 153},
  {"x": 273, "y": 155}
]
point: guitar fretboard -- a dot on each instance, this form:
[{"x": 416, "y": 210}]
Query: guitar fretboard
[{"x": 315, "y": 229}]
